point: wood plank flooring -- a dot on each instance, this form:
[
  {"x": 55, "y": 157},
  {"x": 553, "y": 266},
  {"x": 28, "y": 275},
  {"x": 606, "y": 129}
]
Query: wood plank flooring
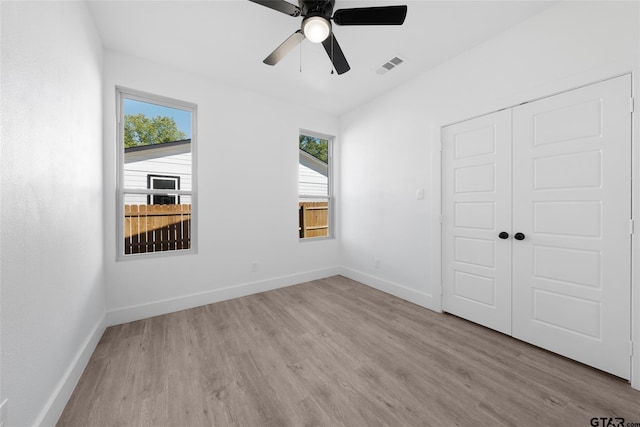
[{"x": 333, "y": 352}]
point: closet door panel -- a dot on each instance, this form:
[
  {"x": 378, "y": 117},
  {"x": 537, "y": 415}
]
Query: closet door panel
[
  {"x": 476, "y": 208},
  {"x": 571, "y": 200}
]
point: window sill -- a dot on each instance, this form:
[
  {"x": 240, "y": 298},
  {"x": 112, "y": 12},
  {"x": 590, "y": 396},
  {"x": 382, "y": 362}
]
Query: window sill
[{"x": 154, "y": 255}]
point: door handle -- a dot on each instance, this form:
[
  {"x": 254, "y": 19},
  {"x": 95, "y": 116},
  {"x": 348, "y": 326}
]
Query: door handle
[
  {"x": 518, "y": 236},
  {"x": 503, "y": 235}
]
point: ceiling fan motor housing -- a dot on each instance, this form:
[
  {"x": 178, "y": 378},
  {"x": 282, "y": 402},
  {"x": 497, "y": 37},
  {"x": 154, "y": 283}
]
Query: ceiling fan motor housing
[{"x": 323, "y": 8}]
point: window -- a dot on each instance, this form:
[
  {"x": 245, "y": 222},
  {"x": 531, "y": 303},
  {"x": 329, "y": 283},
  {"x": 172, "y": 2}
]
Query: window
[
  {"x": 156, "y": 177},
  {"x": 156, "y": 182},
  {"x": 314, "y": 186}
]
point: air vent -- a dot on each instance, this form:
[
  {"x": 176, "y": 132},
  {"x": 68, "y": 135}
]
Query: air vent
[{"x": 389, "y": 65}]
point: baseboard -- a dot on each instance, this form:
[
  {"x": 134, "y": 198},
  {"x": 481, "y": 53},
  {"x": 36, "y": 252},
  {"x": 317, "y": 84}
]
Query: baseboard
[
  {"x": 53, "y": 409},
  {"x": 157, "y": 308},
  {"x": 420, "y": 298}
]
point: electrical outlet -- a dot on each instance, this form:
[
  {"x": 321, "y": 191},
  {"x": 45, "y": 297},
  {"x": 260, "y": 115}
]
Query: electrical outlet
[
  {"x": 3, "y": 414},
  {"x": 376, "y": 263},
  {"x": 253, "y": 267}
]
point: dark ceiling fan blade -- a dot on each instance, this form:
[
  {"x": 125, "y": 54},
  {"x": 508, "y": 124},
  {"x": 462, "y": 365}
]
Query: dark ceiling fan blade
[
  {"x": 335, "y": 54},
  {"x": 280, "y": 5},
  {"x": 281, "y": 51},
  {"x": 384, "y": 15}
]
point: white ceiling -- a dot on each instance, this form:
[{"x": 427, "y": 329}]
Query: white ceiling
[{"x": 227, "y": 41}]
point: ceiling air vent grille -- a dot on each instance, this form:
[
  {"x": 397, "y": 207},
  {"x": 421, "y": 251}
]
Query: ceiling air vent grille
[{"x": 389, "y": 65}]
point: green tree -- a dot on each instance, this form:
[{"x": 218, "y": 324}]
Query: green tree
[
  {"x": 142, "y": 130},
  {"x": 317, "y": 147}
]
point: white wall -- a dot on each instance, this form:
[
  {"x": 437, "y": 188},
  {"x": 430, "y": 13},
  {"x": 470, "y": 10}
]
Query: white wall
[
  {"x": 390, "y": 147},
  {"x": 52, "y": 297},
  {"x": 241, "y": 219}
]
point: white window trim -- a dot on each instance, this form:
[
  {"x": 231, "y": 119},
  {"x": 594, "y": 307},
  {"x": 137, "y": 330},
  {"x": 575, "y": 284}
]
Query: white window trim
[
  {"x": 330, "y": 197},
  {"x": 121, "y": 94},
  {"x": 173, "y": 178}
]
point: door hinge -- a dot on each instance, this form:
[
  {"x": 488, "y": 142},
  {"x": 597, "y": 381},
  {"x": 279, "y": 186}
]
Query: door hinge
[
  {"x": 441, "y": 219},
  {"x": 630, "y": 348},
  {"x": 631, "y": 104},
  {"x": 631, "y": 226}
]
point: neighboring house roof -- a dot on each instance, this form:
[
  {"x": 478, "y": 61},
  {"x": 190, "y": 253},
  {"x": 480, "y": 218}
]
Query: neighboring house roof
[
  {"x": 153, "y": 151},
  {"x": 314, "y": 163}
]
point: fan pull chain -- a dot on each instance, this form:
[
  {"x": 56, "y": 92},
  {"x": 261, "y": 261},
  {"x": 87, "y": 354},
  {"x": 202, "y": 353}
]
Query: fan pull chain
[
  {"x": 300, "y": 45},
  {"x": 332, "y": 66}
]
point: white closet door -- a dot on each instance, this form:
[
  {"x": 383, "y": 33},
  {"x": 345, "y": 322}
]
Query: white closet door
[
  {"x": 572, "y": 202},
  {"x": 476, "y": 204}
]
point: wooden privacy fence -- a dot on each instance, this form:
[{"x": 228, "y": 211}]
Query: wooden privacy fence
[
  {"x": 314, "y": 219},
  {"x": 156, "y": 228}
]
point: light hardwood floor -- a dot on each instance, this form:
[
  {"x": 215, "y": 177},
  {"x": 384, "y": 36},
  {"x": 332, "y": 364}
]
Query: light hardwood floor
[{"x": 332, "y": 352}]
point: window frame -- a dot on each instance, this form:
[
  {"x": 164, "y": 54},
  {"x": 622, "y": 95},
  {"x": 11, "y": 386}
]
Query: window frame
[
  {"x": 151, "y": 178},
  {"x": 330, "y": 182},
  {"x": 123, "y": 93}
]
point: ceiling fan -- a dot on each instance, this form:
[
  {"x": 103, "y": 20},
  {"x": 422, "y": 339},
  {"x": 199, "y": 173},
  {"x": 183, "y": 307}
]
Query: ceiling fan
[{"x": 316, "y": 25}]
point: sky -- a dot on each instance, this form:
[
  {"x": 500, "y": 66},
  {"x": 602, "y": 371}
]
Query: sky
[{"x": 181, "y": 117}]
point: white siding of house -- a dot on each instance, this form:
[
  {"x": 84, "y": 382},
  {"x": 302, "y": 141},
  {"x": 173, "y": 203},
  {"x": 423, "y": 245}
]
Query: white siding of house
[
  {"x": 311, "y": 183},
  {"x": 135, "y": 173}
]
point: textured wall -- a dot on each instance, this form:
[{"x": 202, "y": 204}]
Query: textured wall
[{"x": 51, "y": 221}]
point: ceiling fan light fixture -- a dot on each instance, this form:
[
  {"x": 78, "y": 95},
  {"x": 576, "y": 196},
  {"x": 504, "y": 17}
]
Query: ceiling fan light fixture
[{"x": 316, "y": 28}]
